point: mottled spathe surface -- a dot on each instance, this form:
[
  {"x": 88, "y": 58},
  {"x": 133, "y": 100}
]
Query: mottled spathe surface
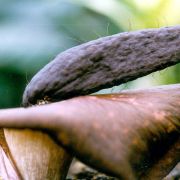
[{"x": 130, "y": 135}]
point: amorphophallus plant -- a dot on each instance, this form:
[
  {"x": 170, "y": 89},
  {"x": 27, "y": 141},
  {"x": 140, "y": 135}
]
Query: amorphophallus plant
[
  {"x": 130, "y": 135},
  {"x": 104, "y": 63}
]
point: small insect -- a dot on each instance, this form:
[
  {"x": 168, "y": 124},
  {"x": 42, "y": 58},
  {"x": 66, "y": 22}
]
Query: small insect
[{"x": 45, "y": 100}]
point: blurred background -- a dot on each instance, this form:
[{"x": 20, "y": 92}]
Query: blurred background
[{"x": 33, "y": 32}]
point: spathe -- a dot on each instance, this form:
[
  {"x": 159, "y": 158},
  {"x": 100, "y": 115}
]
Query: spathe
[{"x": 130, "y": 135}]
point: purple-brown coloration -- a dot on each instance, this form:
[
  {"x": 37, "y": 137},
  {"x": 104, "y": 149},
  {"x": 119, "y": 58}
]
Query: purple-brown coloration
[
  {"x": 131, "y": 135},
  {"x": 105, "y": 62}
]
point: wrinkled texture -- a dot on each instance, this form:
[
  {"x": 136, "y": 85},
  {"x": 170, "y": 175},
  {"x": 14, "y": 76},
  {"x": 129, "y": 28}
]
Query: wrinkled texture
[
  {"x": 105, "y": 62},
  {"x": 130, "y": 135}
]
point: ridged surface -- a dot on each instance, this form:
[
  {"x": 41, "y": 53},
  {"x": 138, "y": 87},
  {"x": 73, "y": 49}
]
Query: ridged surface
[{"x": 104, "y": 63}]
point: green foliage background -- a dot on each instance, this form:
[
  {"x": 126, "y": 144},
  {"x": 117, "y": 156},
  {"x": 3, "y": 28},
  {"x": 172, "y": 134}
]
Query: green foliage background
[{"x": 33, "y": 32}]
